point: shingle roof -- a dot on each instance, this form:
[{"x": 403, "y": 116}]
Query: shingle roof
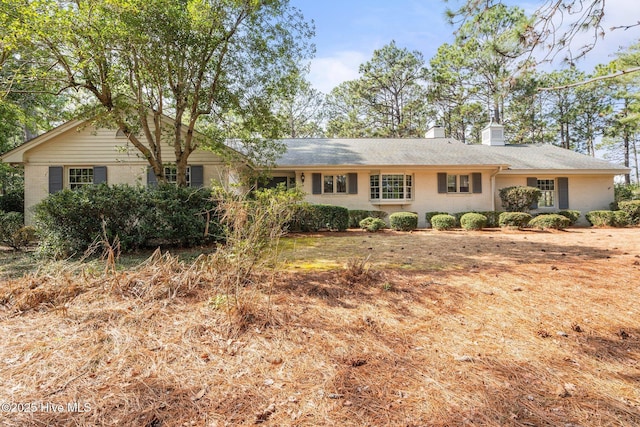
[{"x": 433, "y": 152}]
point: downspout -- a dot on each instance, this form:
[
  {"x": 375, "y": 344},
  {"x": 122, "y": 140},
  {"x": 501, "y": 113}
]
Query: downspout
[{"x": 493, "y": 188}]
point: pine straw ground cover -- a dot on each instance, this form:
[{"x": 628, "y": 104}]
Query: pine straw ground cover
[{"x": 433, "y": 329}]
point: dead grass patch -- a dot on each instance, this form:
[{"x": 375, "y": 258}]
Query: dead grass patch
[{"x": 363, "y": 344}]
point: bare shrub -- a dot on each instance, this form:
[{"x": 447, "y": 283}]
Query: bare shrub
[{"x": 252, "y": 225}]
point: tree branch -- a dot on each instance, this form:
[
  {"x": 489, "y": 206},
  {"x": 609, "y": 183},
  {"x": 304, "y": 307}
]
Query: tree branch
[{"x": 594, "y": 79}]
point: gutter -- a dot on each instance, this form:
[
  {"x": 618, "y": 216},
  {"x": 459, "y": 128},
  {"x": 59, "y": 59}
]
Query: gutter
[{"x": 493, "y": 188}]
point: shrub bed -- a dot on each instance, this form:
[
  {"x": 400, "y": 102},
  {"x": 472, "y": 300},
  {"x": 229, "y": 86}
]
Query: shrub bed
[
  {"x": 632, "y": 209},
  {"x": 430, "y": 215},
  {"x": 571, "y": 215},
  {"x": 69, "y": 221},
  {"x": 372, "y": 224},
  {"x": 357, "y": 215},
  {"x": 473, "y": 221},
  {"x": 13, "y": 233},
  {"x": 550, "y": 221},
  {"x": 443, "y": 222},
  {"x": 309, "y": 217},
  {"x": 403, "y": 221},
  {"x": 514, "y": 219},
  {"x": 601, "y": 218},
  {"x": 493, "y": 218}
]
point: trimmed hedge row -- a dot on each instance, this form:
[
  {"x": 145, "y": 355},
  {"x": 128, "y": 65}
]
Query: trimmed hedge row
[
  {"x": 357, "y": 215},
  {"x": 550, "y": 221},
  {"x": 403, "y": 221},
  {"x": 473, "y": 221},
  {"x": 309, "y": 217},
  {"x": 69, "y": 221},
  {"x": 372, "y": 224},
  {"x": 443, "y": 222}
]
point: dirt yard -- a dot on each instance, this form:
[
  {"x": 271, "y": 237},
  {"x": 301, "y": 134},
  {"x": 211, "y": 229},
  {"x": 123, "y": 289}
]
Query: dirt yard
[{"x": 491, "y": 328}]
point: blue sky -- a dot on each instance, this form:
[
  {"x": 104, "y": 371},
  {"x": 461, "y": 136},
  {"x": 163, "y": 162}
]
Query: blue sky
[{"x": 348, "y": 31}]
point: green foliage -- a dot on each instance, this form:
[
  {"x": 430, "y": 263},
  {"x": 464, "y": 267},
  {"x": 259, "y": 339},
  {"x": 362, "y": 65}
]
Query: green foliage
[
  {"x": 632, "y": 210},
  {"x": 403, "y": 221},
  {"x": 519, "y": 198},
  {"x": 13, "y": 233},
  {"x": 514, "y": 219},
  {"x": 70, "y": 221},
  {"x": 443, "y": 222},
  {"x": 550, "y": 221},
  {"x": 308, "y": 217},
  {"x": 12, "y": 201},
  {"x": 357, "y": 215},
  {"x": 621, "y": 219},
  {"x": 493, "y": 218},
  {"x": 572, "y": 215},
  {"x": 624, "y": 192},
  {"x": 387, "y": 100},
  {"x": 430, "y": 215},
  {"x": 473, "y": 221},
  {"x": 372, "y": 224},
  {"x": 601, "y": 218},
  {"x": 136, "y": 57}
]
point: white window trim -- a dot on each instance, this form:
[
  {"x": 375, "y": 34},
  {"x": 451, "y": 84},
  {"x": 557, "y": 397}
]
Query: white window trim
[
  {"x": 554, "y": 193},
  {"x": 75, "y": 185},
  {"x": 383, "y": 200},
  {"x": 170, "y": 168},
  {"x": 458, "y": 181}
]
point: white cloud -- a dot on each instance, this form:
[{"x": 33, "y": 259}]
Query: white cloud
[{"x": 328, "y": 72}]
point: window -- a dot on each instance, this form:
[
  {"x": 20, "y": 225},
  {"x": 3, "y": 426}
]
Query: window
[
  {"x": 171, "y": 173},
  {"x": 458, "y": 184},
  {"x": 374, "y": 183},
  {"x": 335, "y": 184},
  {"x": 391, "y": 187},
  {"x": 79, "y": 177},
  {"x": 547, "y": 188}
]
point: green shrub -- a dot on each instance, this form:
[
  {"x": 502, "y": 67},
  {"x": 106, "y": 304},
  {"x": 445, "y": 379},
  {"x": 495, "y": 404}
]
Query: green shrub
[
  {"x": 493, "y": 218},
  {"x": 308, "y": 217},
  {"x": 571, "y": 215},
  {"x": 372, "y": 224},
  {"x": 550, "y": 221},
  {"x": 13, "y": 233},
  {"x": 403, "y": 221},
  {"x": 626, "y": 192},
  {"x": 519, "y": 198},
  {"x": 70, "y": 221},
  {"x": 621, "y": 219},
  {"x": 473, "y": 221},
  {"x": 514, "y": 219},
  {"x": 601, "y": 218},
  {"x": 632, "y": 209},
  {"x": 357, "y": 215},
  {"x": 430, "y": 215},
  {"x": 443, "y": 222},
  {"x": 12, "y": 201}
]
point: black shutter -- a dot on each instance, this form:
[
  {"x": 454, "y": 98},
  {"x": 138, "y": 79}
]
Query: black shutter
[
  {"x": 197, "y": 176},
  {"x": 352, "y": 182},
  {"x": 316, "y": 183},
  {"x": 476, "y": 182},
  {"x": 442, "y": 182},
  {"x": 151, "y": 178},
  {"x": 55, "y": 179},
  {"x": 533, "y": 182},
  {"x": 99, "y": 174},
  {"x": 563, "y": 193}
]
